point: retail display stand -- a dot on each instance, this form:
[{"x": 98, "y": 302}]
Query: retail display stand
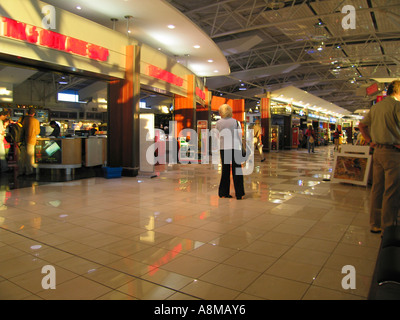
[{"x": 352, "y": 165}]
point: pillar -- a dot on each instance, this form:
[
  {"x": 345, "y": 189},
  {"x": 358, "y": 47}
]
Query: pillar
[
  {"x": 266, "y": 121},
  {"x": 123, "y": 116}
]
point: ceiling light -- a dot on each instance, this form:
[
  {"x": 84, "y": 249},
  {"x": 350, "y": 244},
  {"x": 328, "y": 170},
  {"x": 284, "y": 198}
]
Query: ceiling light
[
  {"x": 216, "y": 71},
  {"x": 210, "y": 60},
  {"x": 78, "y": 7},
  {"x": 171, "y": 26},
  {"x": 196, "y": 46}
]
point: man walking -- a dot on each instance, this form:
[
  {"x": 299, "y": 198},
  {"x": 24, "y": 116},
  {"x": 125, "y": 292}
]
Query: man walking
[{"x": 381, "y": 128}]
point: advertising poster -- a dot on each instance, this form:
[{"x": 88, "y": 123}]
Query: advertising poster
[{"x": 48, "y": 151}]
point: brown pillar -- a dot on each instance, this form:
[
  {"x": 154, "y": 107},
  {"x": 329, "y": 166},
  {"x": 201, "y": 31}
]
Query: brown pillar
[
  {"x": 123, "y": 116},
  {"x": 184, "y": 108},
  {"x": 266, "y": 121}
]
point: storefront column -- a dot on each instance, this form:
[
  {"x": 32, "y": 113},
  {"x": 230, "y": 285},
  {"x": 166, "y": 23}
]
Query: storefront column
[
  {"x": 123, "y": 116},
  {"x": 185, "y": 108},
  {"x": 238, "y": 109},
  {"x": 266, "y": 121},
  {"x": 237, "y": 106}
]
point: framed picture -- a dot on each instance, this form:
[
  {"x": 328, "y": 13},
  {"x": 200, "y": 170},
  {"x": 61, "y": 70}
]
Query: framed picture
[{"x": 351, "y": 168}]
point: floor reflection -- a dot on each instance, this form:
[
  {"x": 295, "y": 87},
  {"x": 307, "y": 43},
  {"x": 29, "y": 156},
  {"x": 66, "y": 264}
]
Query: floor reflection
[{"x": 11, "y": 180}]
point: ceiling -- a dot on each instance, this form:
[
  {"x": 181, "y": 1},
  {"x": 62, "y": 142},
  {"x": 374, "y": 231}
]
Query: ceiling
[
  {"x": 274, "y": 44},
  {"x": 157, "y": 24},
  {"x": 295, "y": 48}
]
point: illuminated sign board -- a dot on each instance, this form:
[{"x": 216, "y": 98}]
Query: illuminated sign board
[
  {"x": 200, "y": 93},
  {"x": 372, "y": 89},
  {"x": 164, "y": 75},
  {"x": 21, "y": 31}
]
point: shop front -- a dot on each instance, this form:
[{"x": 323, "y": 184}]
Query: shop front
[
  {"x": 299, "y": 125},
  {"x": 281, "y": 126},
  {"x": 62, "y": 73},
  {"x": 107, "y": 75}
]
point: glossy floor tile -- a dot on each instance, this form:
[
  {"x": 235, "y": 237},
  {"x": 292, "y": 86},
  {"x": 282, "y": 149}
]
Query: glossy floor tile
[{"x": 172, "y": 237}]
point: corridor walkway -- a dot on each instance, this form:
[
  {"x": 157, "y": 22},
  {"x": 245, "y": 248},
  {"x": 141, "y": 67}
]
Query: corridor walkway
[{"x": 172, "y": 237}]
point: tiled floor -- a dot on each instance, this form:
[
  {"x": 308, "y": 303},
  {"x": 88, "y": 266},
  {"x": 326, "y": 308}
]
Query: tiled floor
[{"x": 172, "y": 237}]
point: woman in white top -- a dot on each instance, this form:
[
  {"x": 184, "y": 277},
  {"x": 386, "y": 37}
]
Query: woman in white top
[{"x": 230, "y": 137}]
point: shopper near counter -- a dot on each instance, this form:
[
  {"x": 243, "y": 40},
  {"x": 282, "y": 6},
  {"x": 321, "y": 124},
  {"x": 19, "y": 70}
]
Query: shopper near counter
[
  {"x": 3, "y": 160},
  {"x": 32, "y": 129},
  {"x": 381, "y": 129},
  {"x": 230, "y": 137},
  {"x": 310, "y": 134},
  {"x": 94, "y": 129},
  {"x": 56, "y": 129}
]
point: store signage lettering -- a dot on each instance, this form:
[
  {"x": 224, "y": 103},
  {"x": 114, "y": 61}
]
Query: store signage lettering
[
  {"x": 46, "y": 38},
  {"x": 312, "y": 115},
  {"x": 164, "y": 75},
  {"x": 200, "y": 93},
  {"x": 372, "y": 89},
  {"x": 299, "y": 112}
]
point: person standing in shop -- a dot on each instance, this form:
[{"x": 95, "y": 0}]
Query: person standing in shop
[
  {"x": 381, "y": 129},
  {"x": 310, "y": 134},
  {"x": 32, "y": 129},
  {"x": 56, "y": 129},
  {"x": 3, "y": 160},
  {"x": 257, "y": 139},
  {"x": 230, "y": 137}
]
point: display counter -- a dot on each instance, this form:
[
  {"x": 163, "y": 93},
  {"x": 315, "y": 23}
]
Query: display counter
[
  {"x": 58, "y": 153},
  {"x": 94, "y": 151},
  {"x": 70, "y": 153}
]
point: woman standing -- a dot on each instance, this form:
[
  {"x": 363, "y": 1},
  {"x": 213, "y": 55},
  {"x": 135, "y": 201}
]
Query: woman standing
[{"x": 230, "y": 137}]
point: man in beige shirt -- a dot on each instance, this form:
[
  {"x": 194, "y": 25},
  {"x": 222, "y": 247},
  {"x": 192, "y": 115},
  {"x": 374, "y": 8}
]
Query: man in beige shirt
[
  {"x": 31, "y": 129},
  {"x": 381, "y": 129}
]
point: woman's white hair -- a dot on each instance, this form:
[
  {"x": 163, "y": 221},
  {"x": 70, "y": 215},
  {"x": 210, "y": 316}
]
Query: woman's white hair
[{"x": 225, "y": 111}]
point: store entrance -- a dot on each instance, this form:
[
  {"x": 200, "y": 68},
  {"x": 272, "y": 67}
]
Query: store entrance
[
  {"x": 76, "y": 103},
  {"x": 159, "y": 107}
]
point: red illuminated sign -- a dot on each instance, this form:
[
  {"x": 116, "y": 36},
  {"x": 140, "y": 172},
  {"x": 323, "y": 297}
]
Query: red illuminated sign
[
  {"x": 46, "y": 38},
  {"x": 164, "y": 75},
  {"x": 372, "y": 89},
  {"x": 200, "y": 93}
]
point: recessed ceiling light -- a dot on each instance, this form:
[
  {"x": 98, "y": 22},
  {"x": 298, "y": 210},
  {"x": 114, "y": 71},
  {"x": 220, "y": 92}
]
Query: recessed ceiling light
[
  {"x": 210, "y": 60},
  {"x": 171, "y": 26},
  {"x": 196, "y": 46},
  {"x": 216, "y": 71},
  {"x": 78, "y": 7}
]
